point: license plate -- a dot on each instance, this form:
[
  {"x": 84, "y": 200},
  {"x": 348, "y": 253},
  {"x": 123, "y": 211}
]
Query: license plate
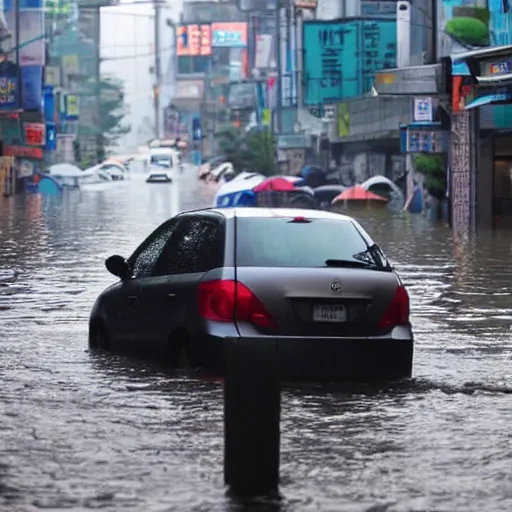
[{"x": 329, "y": 313}]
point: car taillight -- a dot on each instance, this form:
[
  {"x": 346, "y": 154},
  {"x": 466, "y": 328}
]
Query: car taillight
[
  {"x": 227, "y": 300},
  {"x": 397, "y": 313}
]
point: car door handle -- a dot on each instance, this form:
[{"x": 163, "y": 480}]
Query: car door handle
[{"x": 170, "y": 297}]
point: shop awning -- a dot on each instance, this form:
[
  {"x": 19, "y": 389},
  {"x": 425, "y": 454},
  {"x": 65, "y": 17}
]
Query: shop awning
[
  {"x": 489, "y": 99},
  {"x": 469, "y": 63}
]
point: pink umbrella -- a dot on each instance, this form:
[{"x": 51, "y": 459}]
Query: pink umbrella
[{"x": 277, "y": 184}]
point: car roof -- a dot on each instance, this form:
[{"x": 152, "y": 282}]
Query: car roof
[{"x": 266, "y": 213}]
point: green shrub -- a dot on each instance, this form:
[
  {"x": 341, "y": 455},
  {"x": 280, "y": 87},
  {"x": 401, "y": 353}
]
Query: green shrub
[
  {"x": 468, "y": 31},
  {"x": 433, "y": 169}
]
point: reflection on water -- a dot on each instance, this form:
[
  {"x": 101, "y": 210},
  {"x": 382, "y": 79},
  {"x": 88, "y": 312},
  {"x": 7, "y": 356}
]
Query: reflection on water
[{"x": 84, "y": 430}]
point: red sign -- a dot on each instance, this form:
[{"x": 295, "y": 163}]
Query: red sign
[
  {"x": 34, "y": 134},
  {"x": 193, "y": 40},
  {"x": 24, "y": 152}
]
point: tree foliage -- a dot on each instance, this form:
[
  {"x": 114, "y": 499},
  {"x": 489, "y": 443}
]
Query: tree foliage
[
  {"x": 112, "y": 111},
  {"x": 253, "y": 151},
  {"x": 433, "y": 169}
]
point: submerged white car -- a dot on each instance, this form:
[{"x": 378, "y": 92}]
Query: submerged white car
[{"x": 163, "y": 163}]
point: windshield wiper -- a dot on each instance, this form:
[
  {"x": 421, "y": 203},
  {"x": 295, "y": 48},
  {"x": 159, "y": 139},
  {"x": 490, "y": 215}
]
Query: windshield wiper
[
  {"x": 348, "y": 263},
  {"x": 374, "y": 257}
]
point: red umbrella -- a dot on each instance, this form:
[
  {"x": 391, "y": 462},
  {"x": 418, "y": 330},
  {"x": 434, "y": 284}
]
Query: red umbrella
[
  {"x": 276, "y": 183},
  {"x": 358, "y": 193}
]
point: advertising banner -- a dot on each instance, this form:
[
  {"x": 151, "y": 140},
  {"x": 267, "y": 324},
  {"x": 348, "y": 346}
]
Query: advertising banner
[
  {"x": 193, "y": 40},
  {"x": 72, "y": 107},
  {"x": 335, "y": 68},
  {"x": 28, "y": 47},
  {"x": 49, "y": 102},
  {"x": 10, "y": 130},
  {"x": 8, "y": 91},
  {"x": 229, "y": 35},
  {"x": 470, "y": 24},
  {"x": 6, "y": 165},
  {"x": 34, "y": 134},
  {"x": 32, "y": 88},
  {"x": 31, "y": 36}
]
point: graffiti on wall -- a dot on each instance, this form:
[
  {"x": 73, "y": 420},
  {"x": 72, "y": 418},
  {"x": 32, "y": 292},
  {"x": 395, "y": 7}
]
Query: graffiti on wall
[{"x": 460, "y": 165}]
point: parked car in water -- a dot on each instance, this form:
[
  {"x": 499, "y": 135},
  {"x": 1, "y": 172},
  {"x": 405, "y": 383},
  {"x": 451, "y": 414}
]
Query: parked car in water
[
  {"x": 207, "y": 166},
  {"x": 163, "y": 164},
  {"x": 312, "y": 280}
]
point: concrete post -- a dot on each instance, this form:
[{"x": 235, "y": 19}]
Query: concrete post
[{"x": 252, "y": 408}]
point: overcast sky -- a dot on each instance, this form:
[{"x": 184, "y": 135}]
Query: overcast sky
[{"x": 127, "y": 45}]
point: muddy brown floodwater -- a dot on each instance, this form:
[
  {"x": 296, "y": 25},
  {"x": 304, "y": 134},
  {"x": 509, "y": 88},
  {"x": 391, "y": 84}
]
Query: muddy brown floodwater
[{"x": 80, "y": 431}]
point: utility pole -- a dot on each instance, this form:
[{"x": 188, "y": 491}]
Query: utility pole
[
  {"x": 100, "y": 149},
  {"x": 158, "y": 69},
  {"x": 279, "y": 79}
]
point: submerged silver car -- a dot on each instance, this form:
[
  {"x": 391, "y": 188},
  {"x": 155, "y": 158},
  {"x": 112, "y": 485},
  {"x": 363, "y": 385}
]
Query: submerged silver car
[{"x": 313, "y": 281}]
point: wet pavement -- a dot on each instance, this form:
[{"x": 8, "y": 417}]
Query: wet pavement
[{"x": 82, "y": 431}]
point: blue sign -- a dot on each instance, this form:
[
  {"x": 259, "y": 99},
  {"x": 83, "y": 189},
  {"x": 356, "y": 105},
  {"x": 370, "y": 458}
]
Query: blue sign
[
  {"x": 196, "y": 128},
  {"x": 49, "y": 103},
  {"x": 32, "y": 88},
  {"x": 341, "y": 57},
  {"x": 24, "y": 4},
  {"x": 51, "y": 136},
  {"x": 8, "y": 93}
]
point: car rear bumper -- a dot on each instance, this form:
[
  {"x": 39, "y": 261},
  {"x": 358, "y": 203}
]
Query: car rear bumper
[
  {"x": 158, "y": 180},
  {"x": 331, "y": 359}
]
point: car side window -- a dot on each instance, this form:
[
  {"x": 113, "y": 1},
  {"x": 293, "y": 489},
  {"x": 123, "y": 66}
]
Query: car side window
[
  {"x": 196, "y": 246},
  {"x": 144, "y": 259}
]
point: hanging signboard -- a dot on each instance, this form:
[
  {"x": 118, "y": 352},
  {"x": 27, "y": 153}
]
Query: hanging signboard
[
  {"x": 24, "y": 152},
  {"x": 428, "y": 138},
  {"x": 193, "y": 40},
  {"x": 72, "y": 107},
  {"x": 309, "y": 5},
  {"x": 229, "y": 35},
  {"x": 423, "y": 111},
  {"x": 34, "y": 134},
  {"x": 8, "y": 93},
  {"x": 51, "y": 136}
]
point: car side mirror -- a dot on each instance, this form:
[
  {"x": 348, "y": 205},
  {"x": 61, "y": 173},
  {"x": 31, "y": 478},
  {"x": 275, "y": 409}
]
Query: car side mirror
[{"x": 118, "y": 266}]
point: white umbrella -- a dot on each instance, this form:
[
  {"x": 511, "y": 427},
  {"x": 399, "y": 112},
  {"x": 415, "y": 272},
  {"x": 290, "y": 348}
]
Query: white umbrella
[{"x": 66, "y": 170}]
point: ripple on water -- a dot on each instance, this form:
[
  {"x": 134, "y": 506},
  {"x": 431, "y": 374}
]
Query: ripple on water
[{"x": 83, "y": 431}]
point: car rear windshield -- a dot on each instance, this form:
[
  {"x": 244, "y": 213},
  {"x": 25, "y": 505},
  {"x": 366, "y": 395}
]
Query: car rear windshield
[
  {"x": 281, "y": 242},
  {"x": 164, "y": 160}
]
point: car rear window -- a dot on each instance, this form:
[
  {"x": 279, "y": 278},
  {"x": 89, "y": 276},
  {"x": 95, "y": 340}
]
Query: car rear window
[{"x": 278, "y": 242}]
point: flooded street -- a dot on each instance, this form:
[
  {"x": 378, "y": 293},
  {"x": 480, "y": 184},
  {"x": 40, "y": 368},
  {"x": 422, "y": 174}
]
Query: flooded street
[{"x": 83, "y": 431}]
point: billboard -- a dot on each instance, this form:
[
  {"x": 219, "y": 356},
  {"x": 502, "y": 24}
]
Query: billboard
[
  {"x": 23, "y": 54},
  {"x": 193, "y": 40},
  {"x": 469, "y": 24},
  {"x": 229, "y": 35},
  {"x": 341, "y": 57}
]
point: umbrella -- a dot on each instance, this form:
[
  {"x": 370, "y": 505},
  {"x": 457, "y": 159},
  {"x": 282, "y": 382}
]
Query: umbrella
[
  {"x": 358, "y": 193},
  {"x": 277, "y": 184},
  {"x": 66, "y": 170},
  {"x": 313, "y": 176}
]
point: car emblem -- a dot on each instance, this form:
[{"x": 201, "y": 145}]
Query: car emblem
[{"x": 336, "y": 287}]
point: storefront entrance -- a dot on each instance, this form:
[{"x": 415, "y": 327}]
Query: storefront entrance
[
  {"x": 502, "y": 183},
  {"x": 502, "y": 193}
]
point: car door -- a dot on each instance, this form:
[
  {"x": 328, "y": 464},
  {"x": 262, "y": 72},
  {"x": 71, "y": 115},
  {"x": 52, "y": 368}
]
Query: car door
[
  {"x": 130, "y": 322},
  {"x": 169, "y": 299}
]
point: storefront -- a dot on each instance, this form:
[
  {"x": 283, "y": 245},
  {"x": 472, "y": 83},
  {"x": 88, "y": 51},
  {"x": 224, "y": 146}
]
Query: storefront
[
  {"x": 365, "y": 138},
  {"x": 482, "y": 139}
]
